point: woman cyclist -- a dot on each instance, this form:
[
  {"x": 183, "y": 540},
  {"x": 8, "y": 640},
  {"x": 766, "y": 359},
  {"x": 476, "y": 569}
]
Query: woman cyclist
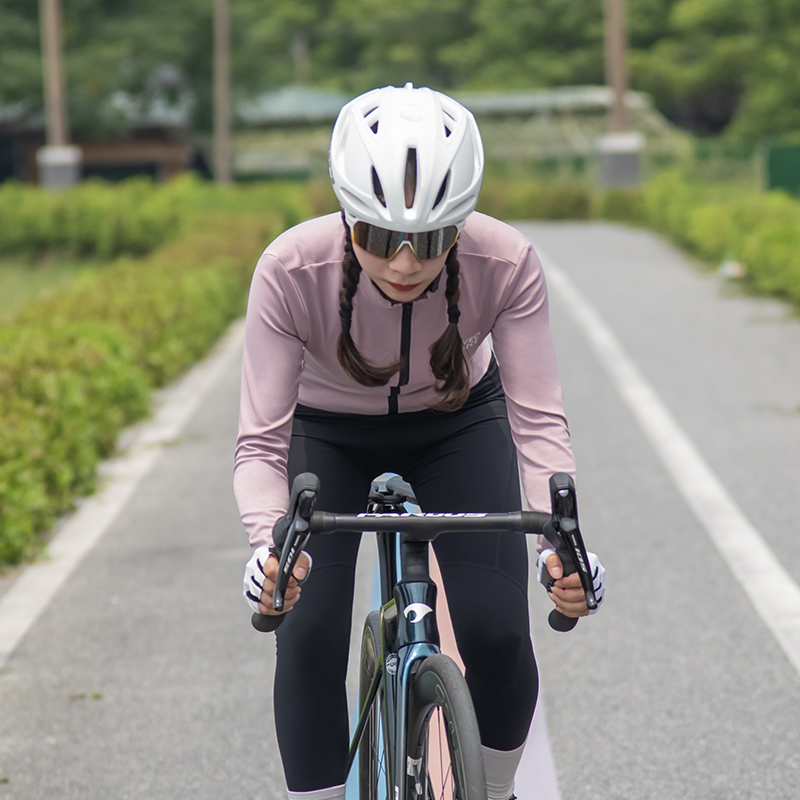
[{"x": 367, "y": 351}]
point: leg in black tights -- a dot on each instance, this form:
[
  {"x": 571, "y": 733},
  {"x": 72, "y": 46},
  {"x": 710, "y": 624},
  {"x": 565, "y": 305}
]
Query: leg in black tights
[
  {"x": 485, "y": 575},
  {"x": 310, "y": 701}
]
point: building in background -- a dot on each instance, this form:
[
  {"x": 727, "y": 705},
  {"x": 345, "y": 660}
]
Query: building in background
[
  {"x": 545, "y": 132},
  {"x": 158, "y": 143},
  {"x": 550, "y": 133}
]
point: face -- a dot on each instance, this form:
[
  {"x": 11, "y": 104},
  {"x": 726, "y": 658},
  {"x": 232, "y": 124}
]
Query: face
[{"x": 401, "y": 278}]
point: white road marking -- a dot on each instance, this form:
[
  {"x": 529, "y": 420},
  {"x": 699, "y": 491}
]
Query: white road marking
[
  {"x": 30, "y": 594},
  {"x": 770, "y": 588}
]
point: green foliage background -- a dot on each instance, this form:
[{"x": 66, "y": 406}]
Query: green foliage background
[
  {"x": 78, "y": 366},
  {"x": 711, "y": 65}
]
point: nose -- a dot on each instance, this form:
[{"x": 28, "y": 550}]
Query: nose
[{"x": 405, "y": 261}]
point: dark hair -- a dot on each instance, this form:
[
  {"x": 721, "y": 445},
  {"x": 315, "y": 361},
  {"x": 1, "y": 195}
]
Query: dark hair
[
  {"x": 448, "y": 364},
  {"x": 353, "y": 363}
]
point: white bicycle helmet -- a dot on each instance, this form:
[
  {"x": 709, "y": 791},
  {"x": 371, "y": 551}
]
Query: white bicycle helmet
[{"x": 407, "y": 159}]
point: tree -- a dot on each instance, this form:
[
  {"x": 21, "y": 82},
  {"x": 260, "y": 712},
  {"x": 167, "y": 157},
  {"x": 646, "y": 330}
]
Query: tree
[
  {"x": 711, "y": 65},
  {"x": 696, "y": 67},
  {"x": 770, "y": 106},
  {"x": 520, "y": 44},
  {"x": 144, "y": 48},
  {"x": 20, "y": 58}
]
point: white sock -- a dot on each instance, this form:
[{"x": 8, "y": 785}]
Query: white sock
[
  {"x": 501, "y": 767},
  {"x": 331, "y": 793}
]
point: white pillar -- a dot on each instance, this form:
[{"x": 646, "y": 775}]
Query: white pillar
[{"x": 59, "y": 162}]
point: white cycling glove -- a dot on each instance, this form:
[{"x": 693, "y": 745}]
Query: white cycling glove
[
  {"x": 598, "y": 576},
  {"x": 254, "y": 575}
]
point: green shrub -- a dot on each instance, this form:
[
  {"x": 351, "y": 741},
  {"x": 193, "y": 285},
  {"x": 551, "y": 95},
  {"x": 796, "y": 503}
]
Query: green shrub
[
  {"x": 173, "y": 305},
  {"x": 77, "y": 367},
  {"x": 65, "y": 392},
  {"x": 94, "y": 218},
  {"x": 622, "y": 205},
  {"x": 532, "y": 200},
  {"x": 138, "y": 215},
  {"x": 761, "y": 230}
]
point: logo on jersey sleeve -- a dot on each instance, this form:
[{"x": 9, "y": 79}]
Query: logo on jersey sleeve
[{"x": 472, "y": 340}]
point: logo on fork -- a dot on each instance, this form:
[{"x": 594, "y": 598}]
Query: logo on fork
[{"x": 416, "y": 611}]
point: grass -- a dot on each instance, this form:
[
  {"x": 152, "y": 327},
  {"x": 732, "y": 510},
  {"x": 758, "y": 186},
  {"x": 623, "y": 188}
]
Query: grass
[{"x": 23, "y": 281}]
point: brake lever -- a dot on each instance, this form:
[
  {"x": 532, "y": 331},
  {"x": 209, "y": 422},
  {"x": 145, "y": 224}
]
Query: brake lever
[
  {"x": 564, "y": 534},
  {"x": 291, "y": 534},
  {"x": 301, "y": 505}
]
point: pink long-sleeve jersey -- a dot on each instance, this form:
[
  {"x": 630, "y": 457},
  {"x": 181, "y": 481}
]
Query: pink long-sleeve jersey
[{"x": 290, "y": 353}]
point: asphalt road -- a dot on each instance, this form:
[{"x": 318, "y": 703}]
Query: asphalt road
[
  {"x": 143, "y": 679},
  {"x": 677, "y": 689}
]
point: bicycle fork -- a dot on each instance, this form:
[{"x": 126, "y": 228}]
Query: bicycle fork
[{"x": 417, "y": 637}]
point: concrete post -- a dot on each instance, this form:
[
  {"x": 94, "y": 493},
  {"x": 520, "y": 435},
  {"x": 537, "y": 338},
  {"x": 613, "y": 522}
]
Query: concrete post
[
  {"x": 620, "y": 150},
  {"x": 620, "y": 156},
  {"x": 59, "y": 163},
  {"x": 222, "y": 79}
]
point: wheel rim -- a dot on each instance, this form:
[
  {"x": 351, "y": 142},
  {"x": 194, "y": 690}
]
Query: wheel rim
[
  {"x": 441, "y": 784},
  {"x": 375, "y": 754}
]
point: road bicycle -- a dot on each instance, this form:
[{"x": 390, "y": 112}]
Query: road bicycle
[{"x": 417, "y": 737}]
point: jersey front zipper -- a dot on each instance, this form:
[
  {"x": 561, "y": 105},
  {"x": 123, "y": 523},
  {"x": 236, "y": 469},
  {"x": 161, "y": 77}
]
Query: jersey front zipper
[{"x": 405, "y": 354}]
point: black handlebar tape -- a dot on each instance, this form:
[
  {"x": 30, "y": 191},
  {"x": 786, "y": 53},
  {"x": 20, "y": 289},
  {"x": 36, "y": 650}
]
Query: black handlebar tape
[
  {"x": 560, "y": 622},
  {"x": 266, "y": 623}
]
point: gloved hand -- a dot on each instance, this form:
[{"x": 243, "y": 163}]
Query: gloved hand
[
  {"x": 259, "y": 579},
  {"x": 567, "y": 592}
]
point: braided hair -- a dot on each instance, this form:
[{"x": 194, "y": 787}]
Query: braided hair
[
  {"x": 447, "y": 361},
  {"x": 448, "y": 364},
  {"x": 353, "y": 363}
]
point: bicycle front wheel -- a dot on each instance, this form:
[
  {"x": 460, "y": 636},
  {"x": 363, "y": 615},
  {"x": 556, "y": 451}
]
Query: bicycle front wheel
[
  {"x": 372, "y": 781},
  {"x": 443, "y": 746}
]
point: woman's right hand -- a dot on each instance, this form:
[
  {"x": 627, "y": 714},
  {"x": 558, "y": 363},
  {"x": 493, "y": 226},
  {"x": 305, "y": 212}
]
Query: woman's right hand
[{"x": 260, "y": 577}]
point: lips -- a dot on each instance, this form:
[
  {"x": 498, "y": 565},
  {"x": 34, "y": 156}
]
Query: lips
[{"x": 400, "y": 288}]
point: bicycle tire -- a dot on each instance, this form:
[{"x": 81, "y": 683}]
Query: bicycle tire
[
  {"x": 440, "y": 690},
  {"x": 371, "y": 758}
]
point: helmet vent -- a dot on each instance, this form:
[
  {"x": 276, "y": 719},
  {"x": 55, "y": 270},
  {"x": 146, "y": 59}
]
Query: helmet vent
[
  {"x": 411, "y": 177},
  {"x": 377, "y": 188},
  {"x": 442, "y": 190},
  {"x": 374, "y": 125},
  {"x": 447, "y": 130}
]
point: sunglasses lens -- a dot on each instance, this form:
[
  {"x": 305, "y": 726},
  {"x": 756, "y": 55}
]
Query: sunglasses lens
[
  {"x": 377, "y": 241},
  {"x": 431, "y": 244},
  {"x": 385, "y": 243}
]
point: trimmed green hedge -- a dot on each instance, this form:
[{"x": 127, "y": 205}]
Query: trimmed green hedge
[
  {"x": 529, "y": 199},
  {"x": 94, "y": 218},
  {"x": 134, "y": 217},
  {"x": 172, "y": 305},
  {"x": 65, "y": 392},
  {"x": 621, "y": 205},
  {"x": 77, "y": 367},
  {"x": 760, "y": 230}
]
